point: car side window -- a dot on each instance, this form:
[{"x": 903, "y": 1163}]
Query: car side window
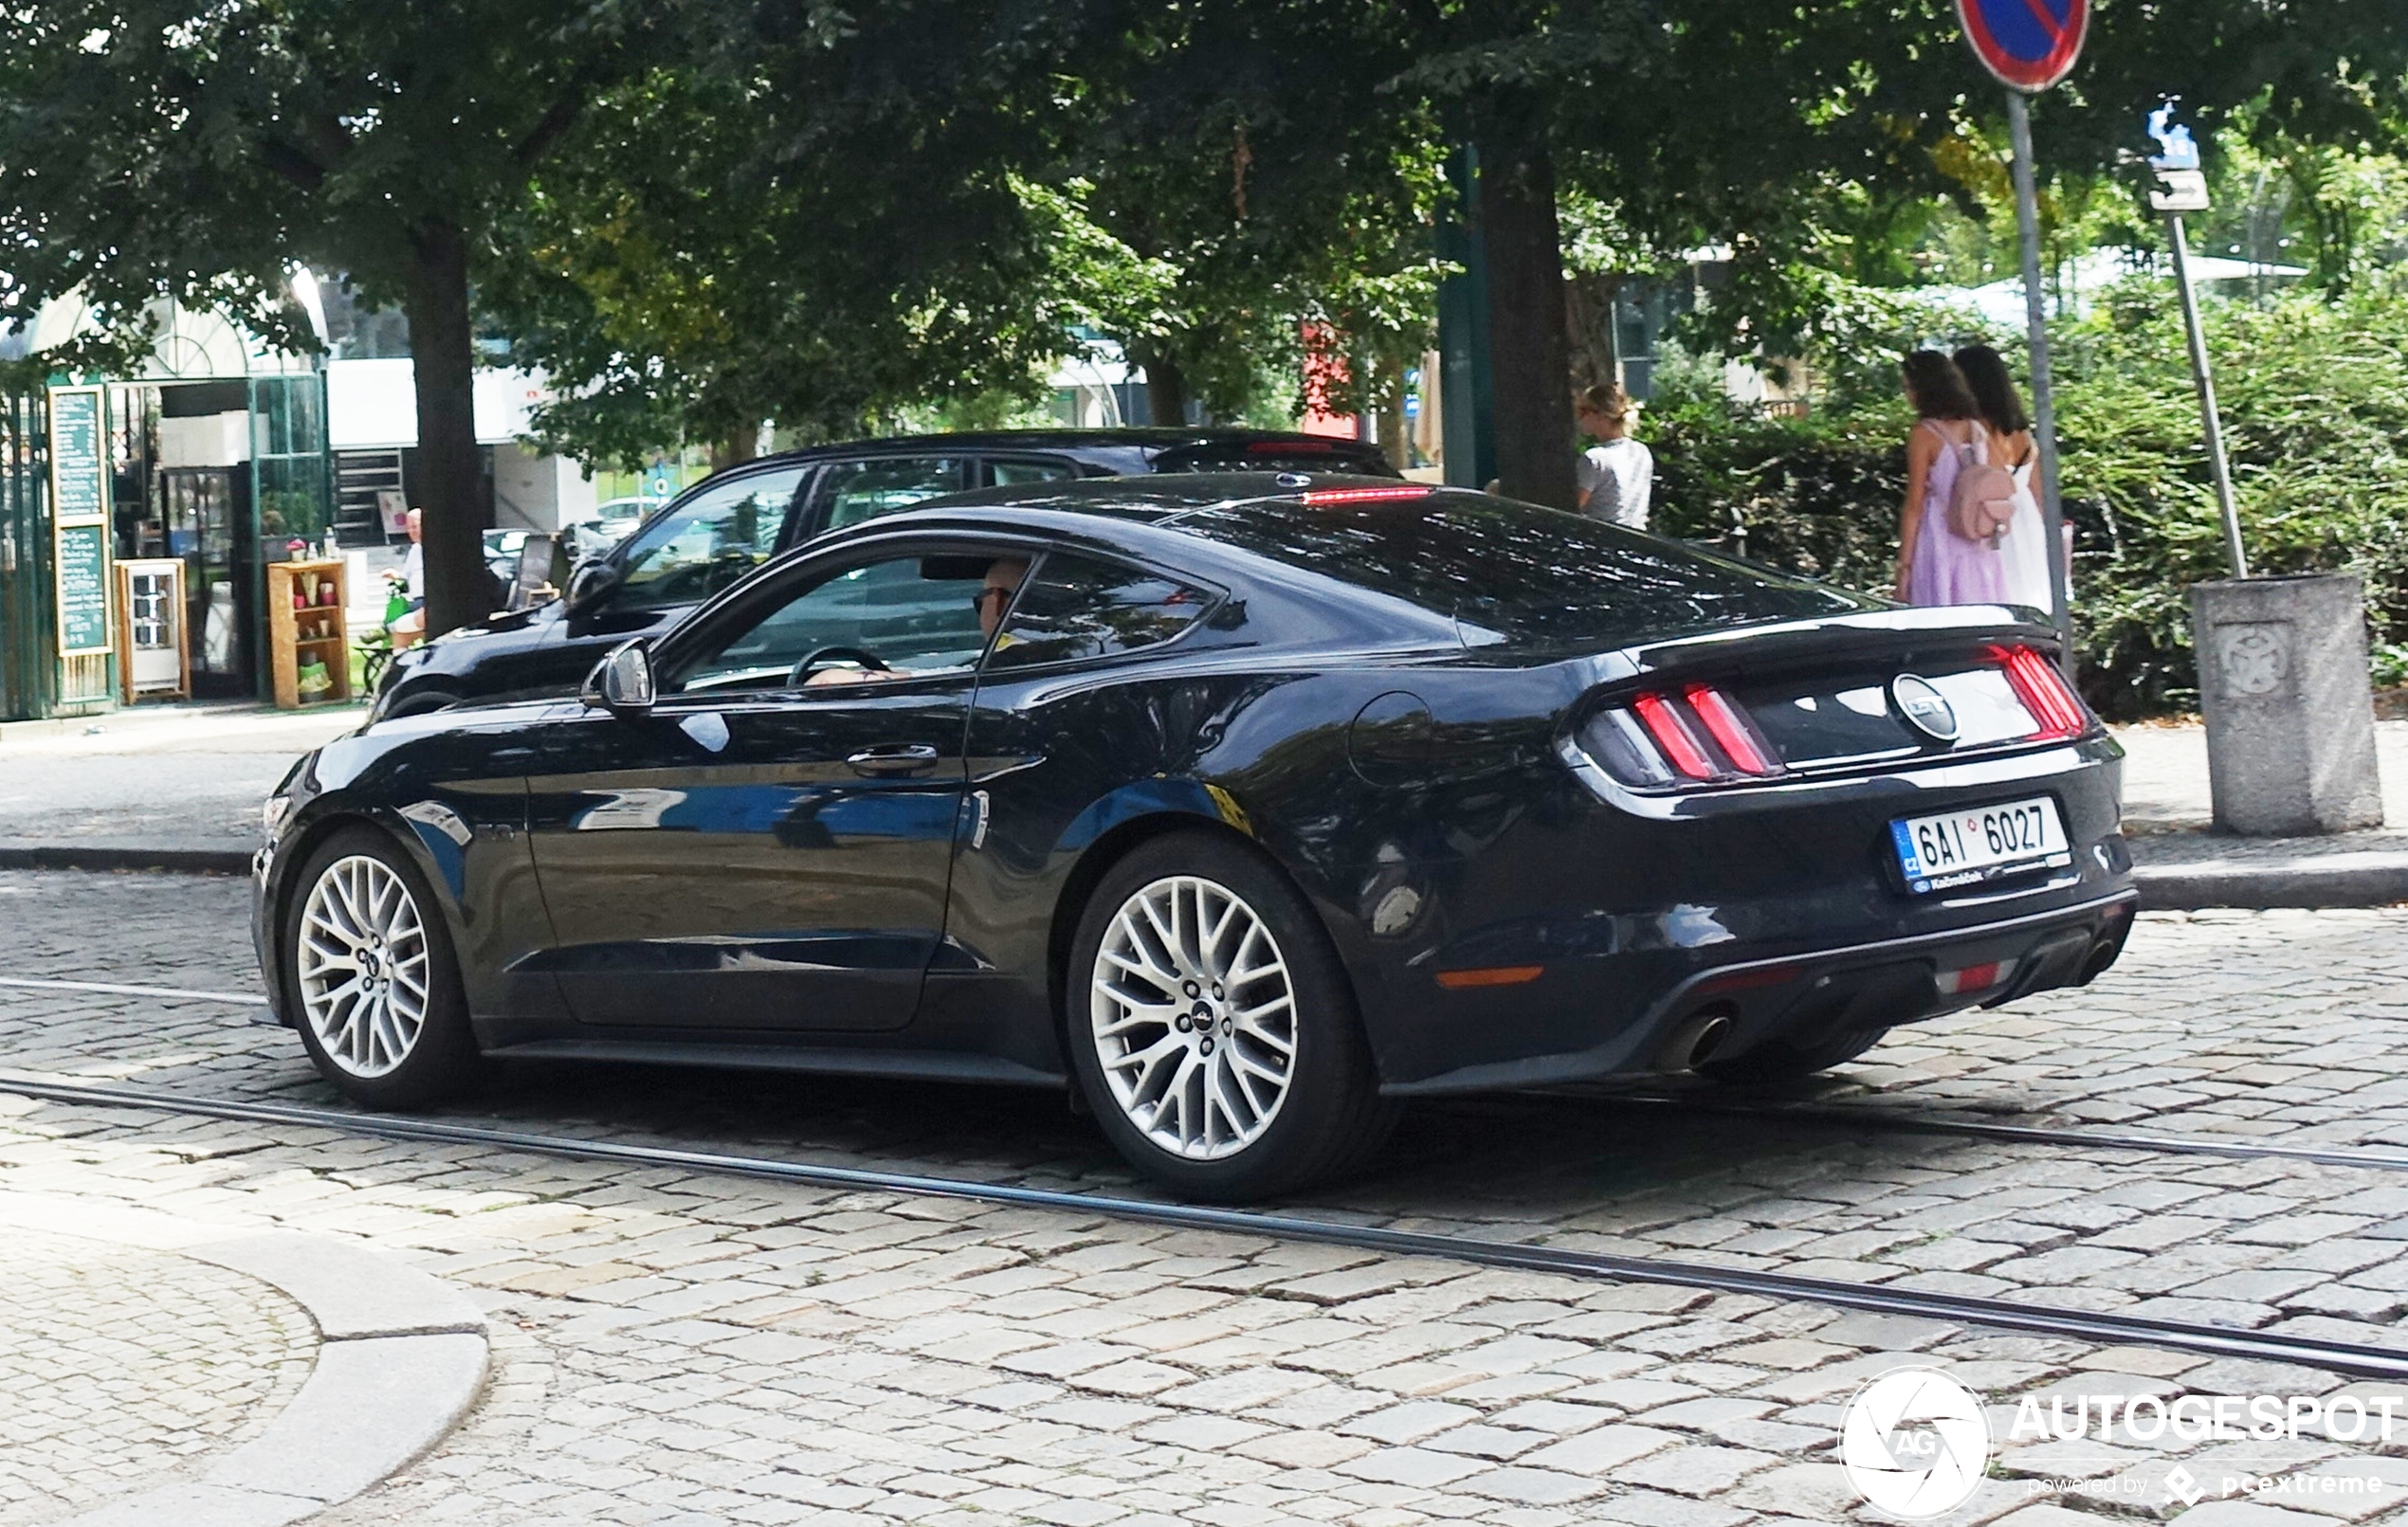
[
  {"x": 707, "y": 543},
  {"x": 1009, "y": 474},
  {"x": 1078, "y": 607},
  {"x": 856, "y": 491},
  {"x": 916, "y": 614}
]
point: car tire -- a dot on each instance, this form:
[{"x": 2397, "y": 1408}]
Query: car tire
[
  {"x": 361, "y": 913},
  {"x": 1212, "y": 1027},
  {"x": 1776, "y": 1061}
]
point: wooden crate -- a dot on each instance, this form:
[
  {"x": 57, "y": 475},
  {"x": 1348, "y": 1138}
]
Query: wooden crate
[{"x": 314, "y": 630}]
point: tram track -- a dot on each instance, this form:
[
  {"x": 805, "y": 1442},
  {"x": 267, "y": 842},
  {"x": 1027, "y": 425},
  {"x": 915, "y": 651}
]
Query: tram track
[
  {"x": 2355, "y": 1359},
  {"x": 120, "y": 988},
  {"x": 1890, "y": 1120},
  {"x": 1842, "y": 1116}
]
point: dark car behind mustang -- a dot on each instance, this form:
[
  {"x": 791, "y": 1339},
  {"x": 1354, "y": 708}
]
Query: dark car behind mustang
[{"x": 1244, "y": 806}]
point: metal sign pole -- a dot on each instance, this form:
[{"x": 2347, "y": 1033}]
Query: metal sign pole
[
  {"x": 2206, "y": 387},
  {"x": 2044, "y": 414}
]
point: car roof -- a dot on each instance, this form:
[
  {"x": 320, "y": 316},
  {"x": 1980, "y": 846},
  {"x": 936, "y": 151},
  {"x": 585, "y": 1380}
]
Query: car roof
[
  {"x": 1109, "y": 508},
  {"x": 1152, "y": 440},
  {"x": 1157, "y": 496}
]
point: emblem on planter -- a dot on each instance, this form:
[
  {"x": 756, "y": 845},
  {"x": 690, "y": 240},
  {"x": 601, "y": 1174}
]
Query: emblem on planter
[{"x": 2254, "y": 657}]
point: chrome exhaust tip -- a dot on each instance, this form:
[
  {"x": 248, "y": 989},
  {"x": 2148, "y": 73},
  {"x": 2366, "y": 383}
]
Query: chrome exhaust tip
[{"x": 1694, "y": 1040}]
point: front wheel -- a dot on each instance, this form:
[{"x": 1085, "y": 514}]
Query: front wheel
[
  {"x": 375, "y": 984},
  {"x": 1214, "y": 1029}
]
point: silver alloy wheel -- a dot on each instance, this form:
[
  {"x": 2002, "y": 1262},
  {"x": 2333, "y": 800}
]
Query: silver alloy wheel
[
  {"x": 1194, "y": 1018},
  {"x": 362, "y": 965}
]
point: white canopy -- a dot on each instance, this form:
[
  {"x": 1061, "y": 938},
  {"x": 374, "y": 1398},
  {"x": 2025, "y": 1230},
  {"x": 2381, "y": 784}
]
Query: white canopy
[{"x": 2086, "y": 275}]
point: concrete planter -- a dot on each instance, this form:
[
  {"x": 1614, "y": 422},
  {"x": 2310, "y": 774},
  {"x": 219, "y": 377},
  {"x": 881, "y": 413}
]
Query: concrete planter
[{"x": 2290, "y": 713}]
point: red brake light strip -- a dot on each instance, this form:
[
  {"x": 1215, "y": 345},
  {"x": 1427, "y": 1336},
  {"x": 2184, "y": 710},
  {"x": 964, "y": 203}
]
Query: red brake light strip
[
  {"x": 1328, "y": 496},
  {"x": 1671, "y": 734},
  {"x": 2044, "y": 693},
  {"x": 1730, "y": 730}
]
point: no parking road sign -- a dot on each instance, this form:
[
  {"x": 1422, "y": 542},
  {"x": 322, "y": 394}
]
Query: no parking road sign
[{"x": 2030, "y": 44}]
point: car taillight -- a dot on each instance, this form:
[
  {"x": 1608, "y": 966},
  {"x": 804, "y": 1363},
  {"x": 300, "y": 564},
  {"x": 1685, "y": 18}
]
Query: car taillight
[
  {"x": 1698, "y": 734},
  {"x": 1672, "y": 736},
  {"x": 2046, "y": 696},
  {"x": 1731, "y": 731}
]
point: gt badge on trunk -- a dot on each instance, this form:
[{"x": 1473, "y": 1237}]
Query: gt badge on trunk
[{"x": 1924, "y": 707}]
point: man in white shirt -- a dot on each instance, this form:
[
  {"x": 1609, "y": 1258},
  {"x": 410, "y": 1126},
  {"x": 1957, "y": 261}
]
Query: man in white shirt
[
  {"x": 409, "y": 629},
  {"x": 1617, "y": 474}
]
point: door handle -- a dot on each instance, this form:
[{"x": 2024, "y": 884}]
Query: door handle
[{"x": 894, "y": 758}]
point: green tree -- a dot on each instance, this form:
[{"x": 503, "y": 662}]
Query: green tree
[
  {"x": 820, "y": 226},
  {"x": 1248, "y": 205},
  {"x": 153, "y": 148},
  {"x": 1794, "y": 135}
]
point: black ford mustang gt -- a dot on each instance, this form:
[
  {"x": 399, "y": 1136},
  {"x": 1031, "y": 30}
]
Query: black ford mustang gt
[{"x": 1244, "y": 806}]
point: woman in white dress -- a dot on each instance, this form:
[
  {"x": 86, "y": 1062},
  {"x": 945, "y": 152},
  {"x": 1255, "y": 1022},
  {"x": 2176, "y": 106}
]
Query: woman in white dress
[{"x": 2025, "y": 548}]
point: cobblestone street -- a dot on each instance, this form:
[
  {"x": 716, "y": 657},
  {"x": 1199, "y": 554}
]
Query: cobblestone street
[{"x": 671, "y": 1346}]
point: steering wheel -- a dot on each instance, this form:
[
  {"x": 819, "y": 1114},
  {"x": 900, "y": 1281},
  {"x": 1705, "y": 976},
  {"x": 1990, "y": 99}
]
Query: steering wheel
[{"x": 802, "y": 669}]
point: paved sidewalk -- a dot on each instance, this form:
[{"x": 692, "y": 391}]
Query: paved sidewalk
[
  {"x": 2180, "y": 864},
  {"x": 126, "y": 1369},
  {"x": 156, "y": 1369},
  {"x": 2166, "y": 789},
  {"x": 172, "y": 785}
]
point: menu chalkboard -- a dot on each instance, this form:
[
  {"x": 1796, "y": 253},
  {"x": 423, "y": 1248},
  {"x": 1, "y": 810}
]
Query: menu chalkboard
[
  {"x": 79, "y": 519},
  {"x": 78, "y": 467},
  {"x": 82, "y": 570}
]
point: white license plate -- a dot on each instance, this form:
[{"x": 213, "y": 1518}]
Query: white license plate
[{"x": 1940, "y": 853}]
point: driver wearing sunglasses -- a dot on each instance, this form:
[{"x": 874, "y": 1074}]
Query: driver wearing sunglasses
[{"x": 992, "y": 598}]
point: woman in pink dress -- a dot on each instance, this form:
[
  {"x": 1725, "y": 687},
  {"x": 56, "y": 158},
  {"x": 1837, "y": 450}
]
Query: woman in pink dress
[{"x": 1935, "y": 566}]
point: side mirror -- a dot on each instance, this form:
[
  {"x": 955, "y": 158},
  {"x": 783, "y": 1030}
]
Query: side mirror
[
  {"x": 591, "y": 583},
  {"x": 622, "y": 683}
]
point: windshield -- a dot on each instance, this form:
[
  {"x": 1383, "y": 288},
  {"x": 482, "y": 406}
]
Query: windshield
[
  {"x": 1521, "y": 573},
  {"x": 711, "y": 538}
]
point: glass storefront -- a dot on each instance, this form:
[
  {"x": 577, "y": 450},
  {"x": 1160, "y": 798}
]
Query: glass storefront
[
  {"x": 223, "y": 475},
  {"x": 29, "y": 670},
  {"x": 289, "y": 461}
]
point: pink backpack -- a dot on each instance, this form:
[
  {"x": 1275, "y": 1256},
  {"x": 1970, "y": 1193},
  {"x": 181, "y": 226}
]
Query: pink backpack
[{"x": 1981, "y": 504}]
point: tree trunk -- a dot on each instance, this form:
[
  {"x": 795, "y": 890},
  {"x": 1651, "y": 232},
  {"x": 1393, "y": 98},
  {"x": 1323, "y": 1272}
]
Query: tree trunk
[
  {"x": 1529, "y": 363},
  {"x": 1595, "y": 333},
  {"x": 1165, "y": 388},
  {"x": 740, "y": 446},
  {"x": 443, "y": 366},
  {"x": 1387, "y": 404}
]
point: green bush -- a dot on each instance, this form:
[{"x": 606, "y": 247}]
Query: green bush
[
  {"x": 2314, "y": 398},
  {"x": 1819, "y": 497}
]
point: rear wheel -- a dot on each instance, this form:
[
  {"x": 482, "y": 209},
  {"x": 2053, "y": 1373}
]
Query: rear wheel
[
  {"x": 1214, "y": 1029},
  {"x": 374, "y": 983},
  {"x": 1776, "y": 1061}
]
